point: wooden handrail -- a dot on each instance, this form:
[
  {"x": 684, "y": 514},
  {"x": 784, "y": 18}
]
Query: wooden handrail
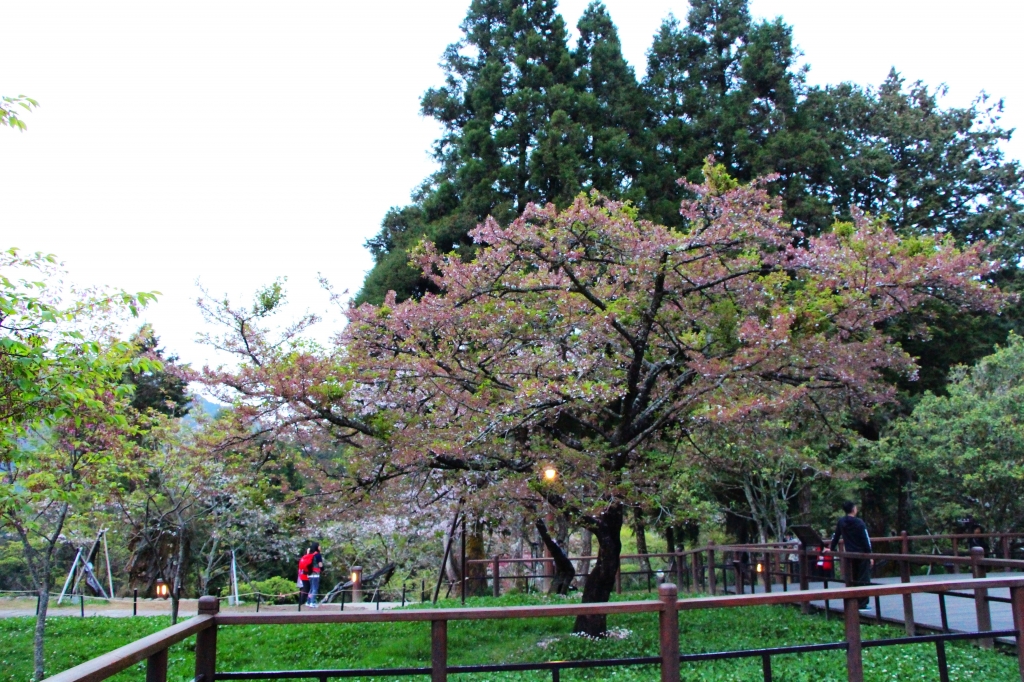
[
  {"x": 109, "y": 664},
  {"x": 667, "y": 605},
  {"x": 421, "y": 615}
]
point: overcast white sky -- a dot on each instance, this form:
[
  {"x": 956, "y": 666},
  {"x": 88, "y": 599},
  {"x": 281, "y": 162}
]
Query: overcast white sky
[{"x": 235, "y": 142}]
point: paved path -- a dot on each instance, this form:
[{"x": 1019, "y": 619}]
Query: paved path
[
  {"x": 122, "y": 608},
  {"x": 960, "y": 612}
]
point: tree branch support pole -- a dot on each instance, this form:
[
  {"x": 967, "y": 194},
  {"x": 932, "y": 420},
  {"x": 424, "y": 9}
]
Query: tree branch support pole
[
  {"x": 668, "y": 632},
  {"x": 496, "y": 572},
  {"x": 908, "y": 599},
  {"x": 981, "y": 606},
  {"x": 206, "y": 642},
  {"x": 462, "y": 567}
]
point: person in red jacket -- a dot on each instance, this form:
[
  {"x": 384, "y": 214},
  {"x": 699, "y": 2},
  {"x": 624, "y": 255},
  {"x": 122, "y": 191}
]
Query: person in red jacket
[{"x": 316, "y": 565}]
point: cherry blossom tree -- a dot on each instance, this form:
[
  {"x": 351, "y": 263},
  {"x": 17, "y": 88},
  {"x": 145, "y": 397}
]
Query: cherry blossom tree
[{"x": 591, "y": 342}]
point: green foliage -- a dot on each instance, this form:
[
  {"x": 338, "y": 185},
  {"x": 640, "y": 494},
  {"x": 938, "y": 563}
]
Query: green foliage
[
  {"x": 9, "y": 114},
  {"x": 966, "y": 448},
  {"x": 276, "y": 589}
]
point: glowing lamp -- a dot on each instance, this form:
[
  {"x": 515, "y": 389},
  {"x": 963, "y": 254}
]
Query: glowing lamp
[
  {"x": 760, "y": 567},
  {"x": 163, "y": 591},
  {"x": 550, "y": 474},
  {"x": 354, "y": 576}
]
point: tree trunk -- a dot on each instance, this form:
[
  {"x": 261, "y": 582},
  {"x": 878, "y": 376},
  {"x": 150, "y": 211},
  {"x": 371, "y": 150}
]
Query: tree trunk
[
  {"x": 601, "y": 581},
  {"x": 564, "y": 572},
  {"x": 179, "y": 569},
  {"x": 40, "y": 631},
  {"x": 640, "y": 533},
  {"x": 476, "y": 574},
  {"x": 586, "y": 547}
]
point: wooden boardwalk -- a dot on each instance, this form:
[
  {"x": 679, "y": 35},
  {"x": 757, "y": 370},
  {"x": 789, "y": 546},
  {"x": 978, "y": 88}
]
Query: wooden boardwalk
[{"x": 960, "y": 612}]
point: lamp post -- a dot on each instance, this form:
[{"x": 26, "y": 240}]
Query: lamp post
[
  {"x": 550, "y": 475},
  {"x": 163, "y": 591},
  {"x": 357, "y": 584}
]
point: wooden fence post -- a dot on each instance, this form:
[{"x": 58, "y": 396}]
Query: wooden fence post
[
  {"x": 680, "y": 569},
  {"x": 956, "y": 553},
  {"x": 698, "y": 577},
  {"x": 438, "y": 651},
  {"x": 1017, "y": 604},
  {"x": 1006, "y": 551},
  {"x": 711, "y": 570},
  {"x": 668, "y": 631},
  {"x": 854, "y": 658},
  {"x": 908, "y": 599},
  {"x": 767, "y": 571},
  {"x": 496, "y": 572},
  {"x": 156, "y": 667},
  {"x": 981, "y": 597},
  {"x": 805, "y": 583},
  {"x": 206, "y": 642}
]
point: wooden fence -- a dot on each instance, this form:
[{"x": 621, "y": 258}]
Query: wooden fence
[
  {"x": 699, "y": 569},
  {"x": 205, "y": 625}
]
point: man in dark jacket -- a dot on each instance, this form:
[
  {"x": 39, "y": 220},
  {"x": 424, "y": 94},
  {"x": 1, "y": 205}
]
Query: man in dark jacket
[{"x": 854, "y": 534}]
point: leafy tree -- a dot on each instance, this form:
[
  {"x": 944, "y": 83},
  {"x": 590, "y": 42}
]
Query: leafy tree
[
  {"x": 720, "y": 85},
  {"x": 61, "y": 413},
  {"x": 966, "y": 448},
  {"x": 525, "y": 119},
  {"x": 759, "y": 465},
  {"x": 591, "y": 341},
  {"x": 190, "y": 494},
  {"x": 163, "y": 390}
]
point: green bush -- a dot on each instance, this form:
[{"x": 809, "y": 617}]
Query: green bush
[{"x": 276, "y": 590}]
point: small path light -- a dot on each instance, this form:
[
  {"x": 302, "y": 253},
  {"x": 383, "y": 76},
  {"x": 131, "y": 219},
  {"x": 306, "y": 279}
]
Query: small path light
[
  {"x": 162, "y": 590},
  {"x": 357, "y": 584},
  {"x": 550, "y": 474}
]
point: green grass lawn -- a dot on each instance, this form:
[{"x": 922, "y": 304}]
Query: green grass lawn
[{"x": 279, "y": 647}]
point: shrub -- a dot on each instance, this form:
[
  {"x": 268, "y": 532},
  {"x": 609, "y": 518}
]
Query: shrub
[{"x": 277, "y": 590}]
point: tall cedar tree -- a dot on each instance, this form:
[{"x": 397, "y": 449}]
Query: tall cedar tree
[
  {"x": 157, "y": 387},
  {"x": 525, "y": 119}
]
